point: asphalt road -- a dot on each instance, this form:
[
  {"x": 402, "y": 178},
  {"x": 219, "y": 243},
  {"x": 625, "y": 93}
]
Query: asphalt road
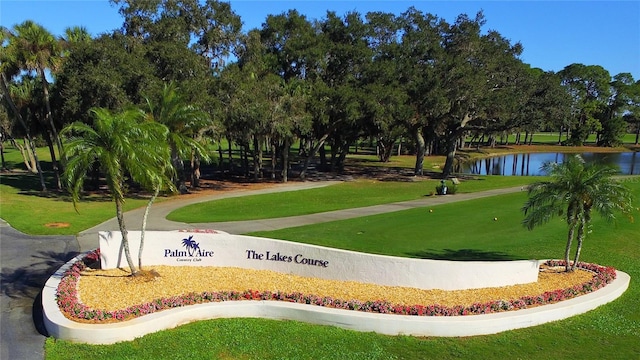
[{"x": 26, "y": 262}]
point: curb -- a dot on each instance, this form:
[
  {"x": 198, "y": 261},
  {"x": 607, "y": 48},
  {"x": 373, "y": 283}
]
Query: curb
[{"x": 60, "y": 327}]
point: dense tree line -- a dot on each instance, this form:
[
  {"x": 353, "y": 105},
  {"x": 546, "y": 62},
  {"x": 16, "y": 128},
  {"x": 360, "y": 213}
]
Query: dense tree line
[{"x": 324, "y": 84}]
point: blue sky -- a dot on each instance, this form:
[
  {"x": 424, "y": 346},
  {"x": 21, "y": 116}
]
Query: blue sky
[{"x": 554, "y": 33}]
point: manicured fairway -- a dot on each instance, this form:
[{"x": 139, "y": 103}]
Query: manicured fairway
[
  {"x": 458, "y": 231},
  {"x": 345, "y": 195},
  {"x": 464, "y": 231}
]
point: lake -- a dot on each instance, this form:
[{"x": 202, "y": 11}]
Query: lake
[{"x": 529, "y": 164}]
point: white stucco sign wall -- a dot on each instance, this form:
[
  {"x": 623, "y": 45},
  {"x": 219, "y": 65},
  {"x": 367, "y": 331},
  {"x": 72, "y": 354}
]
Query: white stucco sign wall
[{"x": 216, "y": 248}]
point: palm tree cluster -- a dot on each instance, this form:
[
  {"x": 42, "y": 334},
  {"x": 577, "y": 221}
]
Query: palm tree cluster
[
  {"x": 190, "y": 244},
  {"x": 575, "y": 191},
  {"x": 114, "y": 143},
  {"x": 133, "y": 144},
  {"x": 30, "y": 48}
]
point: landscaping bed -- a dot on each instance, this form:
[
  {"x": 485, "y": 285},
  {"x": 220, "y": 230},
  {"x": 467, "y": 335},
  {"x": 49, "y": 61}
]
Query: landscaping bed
[{"x": 102, "y": 296}]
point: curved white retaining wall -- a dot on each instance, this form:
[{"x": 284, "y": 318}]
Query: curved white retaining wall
[
  {"x": 215, "y": 248},
  {"x": 62, "y": 328}
]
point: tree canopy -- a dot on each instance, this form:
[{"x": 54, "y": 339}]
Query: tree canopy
[{"x": 326, "y": 84}]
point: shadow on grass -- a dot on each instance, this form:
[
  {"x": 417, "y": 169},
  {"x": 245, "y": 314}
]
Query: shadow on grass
[
  {"x": 29, "y": 184},
  {"x": 463, "y": 255}
]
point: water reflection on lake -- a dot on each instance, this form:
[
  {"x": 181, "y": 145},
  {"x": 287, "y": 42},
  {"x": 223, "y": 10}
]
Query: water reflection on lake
[{"x": 529, "y": 164}]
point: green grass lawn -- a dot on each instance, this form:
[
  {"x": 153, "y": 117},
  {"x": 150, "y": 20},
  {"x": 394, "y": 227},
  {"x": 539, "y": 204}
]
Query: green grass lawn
[
  {"x": 336, "y": 197},
  {"x": 551, "y": 138},
  {"x": 30, "y": 211},
  {"x": 432, "y": 163},
  {"x": 462, "y": 231},
  {"x": 455, "y": 231}
]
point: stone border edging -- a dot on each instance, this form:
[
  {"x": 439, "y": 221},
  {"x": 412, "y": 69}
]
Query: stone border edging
[{"x": 60, "y": 327}]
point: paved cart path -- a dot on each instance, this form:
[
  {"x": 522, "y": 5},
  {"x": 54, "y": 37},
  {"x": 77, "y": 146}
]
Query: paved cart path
[{"x": 88, "y": 239}]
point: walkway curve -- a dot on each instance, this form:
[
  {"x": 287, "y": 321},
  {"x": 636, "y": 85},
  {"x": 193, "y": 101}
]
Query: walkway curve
[{"x": 157, "y": 220}]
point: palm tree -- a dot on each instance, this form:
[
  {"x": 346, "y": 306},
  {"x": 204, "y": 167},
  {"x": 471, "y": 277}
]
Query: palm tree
[
  {"x": 9, "y": 68},
  {"x": 156, "y": 179},
  {"x": 121, "y": 145},
  {"x": 575, "y": 190},
  {"x": 28, "y": 97},
  {"x": 157, "y": 182},
  {"x": 75, "y": 35},
  {"x": 180, "y": 125},
  {"x": 23, "y": 95},
  {"x": 34, "y": 48},
  {"x": 184, "y": 122}
]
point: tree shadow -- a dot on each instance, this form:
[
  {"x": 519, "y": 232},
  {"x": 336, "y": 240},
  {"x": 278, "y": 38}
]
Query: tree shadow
[
  {"x": 24, "y": 285},
  {"x": 22, "y": 281},
  {"x": 18, "y": 165},
  {"x": 24, "y": 182},
  {"x": 463, "y": 255},
  {"x": 29, "y": 184}
]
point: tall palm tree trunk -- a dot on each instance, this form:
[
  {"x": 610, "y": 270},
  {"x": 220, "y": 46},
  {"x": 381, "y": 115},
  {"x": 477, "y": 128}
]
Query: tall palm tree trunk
[
  {"x": 125, "y": 236},
  {"x": 567, "y": 250},
  {"x": 25, "y": 151},
  {"x": 581, "y": 234},
  {"x": 144, "y": 224},
  {"x": 12, "y": 105},
  {"x": 49, "y": 116},
  {"x": 54, "y": 161}
]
